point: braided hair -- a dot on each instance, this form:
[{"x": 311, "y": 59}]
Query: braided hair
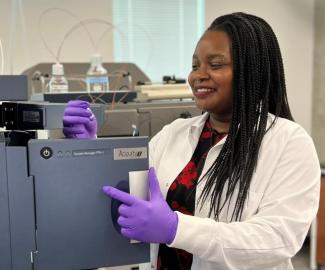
[{"x": 258, "y": 89}]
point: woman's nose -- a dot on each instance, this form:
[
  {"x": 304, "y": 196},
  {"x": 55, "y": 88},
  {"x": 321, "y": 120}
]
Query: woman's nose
[{"x": 201, "y": 75}]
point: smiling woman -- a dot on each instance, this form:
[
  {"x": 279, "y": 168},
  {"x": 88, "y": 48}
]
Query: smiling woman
[{"x": 238, "y": 186}]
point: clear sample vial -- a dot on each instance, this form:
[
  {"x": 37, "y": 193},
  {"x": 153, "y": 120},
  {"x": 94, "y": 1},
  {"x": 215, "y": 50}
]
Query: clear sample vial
[
  {"x": 97, "y": 79},
  {"x": 58, "y": 83}
]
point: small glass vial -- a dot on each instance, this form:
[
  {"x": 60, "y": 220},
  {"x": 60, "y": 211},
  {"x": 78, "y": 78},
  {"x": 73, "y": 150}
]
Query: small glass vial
[
  {"x": 58, "y": 83},
  {"x": 97, "y": 79}
]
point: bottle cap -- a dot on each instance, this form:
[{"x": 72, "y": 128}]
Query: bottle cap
[
  {"x": 96, "y": 59},
  {"x": 57, "y": 69}
]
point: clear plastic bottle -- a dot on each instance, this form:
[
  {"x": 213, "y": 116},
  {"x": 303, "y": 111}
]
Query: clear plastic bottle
[
  {"x": 58, "y": 83},
  {"x": 97, "y": 79}
]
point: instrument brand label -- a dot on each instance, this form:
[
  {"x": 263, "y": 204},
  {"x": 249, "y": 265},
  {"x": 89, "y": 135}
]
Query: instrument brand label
[{"x": 130, "y": 153}]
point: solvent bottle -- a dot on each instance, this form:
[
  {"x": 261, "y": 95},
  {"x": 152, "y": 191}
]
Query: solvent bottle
[
  {"x": 97, "y": 79},
  {"x": 58, "y": 83}
]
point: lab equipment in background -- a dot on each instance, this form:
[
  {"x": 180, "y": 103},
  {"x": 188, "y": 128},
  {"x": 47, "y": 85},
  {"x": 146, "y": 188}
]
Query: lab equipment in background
[
  {"x": 172, "y": 79},
  {"x": 143, "y": 111},
  {"x": 136, "y": 118},
  {"x": 58, "y": 83},
  {"x": 13, "y": 87},
  {"x": 46, "y": 222},
  {"x": 122, "y": 76},
  {"x": 150, "y": 92},
  {"x": 144, "y": 119},
  {"x": 97, "y": 79},
  {"x": 113, "y": 96},
  {"x": 25, "y": 115}
]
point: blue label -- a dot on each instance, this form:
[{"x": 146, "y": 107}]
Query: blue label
[{"x": 97, "y": 80}]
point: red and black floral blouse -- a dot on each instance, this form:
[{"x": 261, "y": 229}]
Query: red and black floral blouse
[{"x": 181, "y": 197}]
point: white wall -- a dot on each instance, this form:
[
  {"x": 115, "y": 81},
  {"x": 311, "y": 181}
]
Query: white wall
[
  {"x": 23, "y": 32},
  {"x": 292, "y": 21}
]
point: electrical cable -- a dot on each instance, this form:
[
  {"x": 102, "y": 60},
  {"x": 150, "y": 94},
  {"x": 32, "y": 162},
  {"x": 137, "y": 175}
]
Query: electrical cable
[
  {"x": 82, "y": 84},
  {"x": 113, "y": 101},
  {"x": 101, "y": 100},
  {"x": 2, "y": 70},
  {"x": 85, "y": 95},
  {"x": 123, "y": 97}
]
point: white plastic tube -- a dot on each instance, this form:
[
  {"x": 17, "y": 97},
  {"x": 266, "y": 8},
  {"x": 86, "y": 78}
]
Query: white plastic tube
[
  {"x": 17, "y": 19},
  {"x": 80, "y": 22},
  {"x": 83, "y": 23},
  {"x": 24, "y": 37}
]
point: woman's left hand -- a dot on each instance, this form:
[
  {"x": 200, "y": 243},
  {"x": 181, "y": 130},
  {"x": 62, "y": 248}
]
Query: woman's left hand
[{"x": 147, "y": 221}]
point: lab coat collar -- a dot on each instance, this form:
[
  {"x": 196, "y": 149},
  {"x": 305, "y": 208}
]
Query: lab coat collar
[{"x": 196, "y": 128}]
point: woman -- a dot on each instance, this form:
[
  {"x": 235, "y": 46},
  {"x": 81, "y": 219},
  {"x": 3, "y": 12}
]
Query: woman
[{"x": 238, "y": 186}]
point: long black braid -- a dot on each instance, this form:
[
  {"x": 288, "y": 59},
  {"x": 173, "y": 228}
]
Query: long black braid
[{"x": 258, "y": 88}]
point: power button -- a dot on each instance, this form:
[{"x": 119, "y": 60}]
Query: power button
[{"x": 46, "y": 152}]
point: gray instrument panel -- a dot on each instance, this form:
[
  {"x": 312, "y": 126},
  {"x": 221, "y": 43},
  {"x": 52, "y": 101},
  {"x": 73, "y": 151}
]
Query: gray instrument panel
[
  {"x": 69, "y": 202},
  {"x": 54, "y": 214}
]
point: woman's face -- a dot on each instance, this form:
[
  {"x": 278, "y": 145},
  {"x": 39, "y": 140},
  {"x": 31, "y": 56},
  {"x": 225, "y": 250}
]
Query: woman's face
[{"x": 212, "y": 74}]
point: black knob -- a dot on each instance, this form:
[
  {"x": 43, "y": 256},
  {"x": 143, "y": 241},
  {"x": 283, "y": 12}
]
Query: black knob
[{"x": 185, "y": 115}]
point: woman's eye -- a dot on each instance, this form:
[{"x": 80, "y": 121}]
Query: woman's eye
[
  {"x": 216, "y": 65},
  {"x": 194, "y": 67}
]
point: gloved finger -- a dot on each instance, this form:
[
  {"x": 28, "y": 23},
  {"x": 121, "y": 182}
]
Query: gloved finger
[
  {"x": 124, "y": 210},
  {"x": 92, "y": 116},
  {"x": 77, "y": 111},
  {"x": 73, "y": 130},
  {"x": 83, "y": 135},
  {"x": 73, "y": 120},
  {"x": 128, "y": 233},
  {"x": 154, "y": 187},
  {"x": 78, "y": 103},
  {"x": 91, "y": 123},
  {"x": 121, "y": 196},
  {"x": 124, "y": 222},
  {"x": 69, "y": 135}
]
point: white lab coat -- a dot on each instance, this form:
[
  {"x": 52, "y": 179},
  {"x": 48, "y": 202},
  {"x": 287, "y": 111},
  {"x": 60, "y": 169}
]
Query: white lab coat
[{"x": 283, "y": 199}]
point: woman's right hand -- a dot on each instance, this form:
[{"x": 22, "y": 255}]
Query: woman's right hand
[{"x": 79, "y": 121}]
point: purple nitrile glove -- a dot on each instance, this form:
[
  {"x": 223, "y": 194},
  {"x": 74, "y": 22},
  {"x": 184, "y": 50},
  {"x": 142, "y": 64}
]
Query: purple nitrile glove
[
  {"x": 79, "y": 121},
  {"x": 147, "y": 221}
]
